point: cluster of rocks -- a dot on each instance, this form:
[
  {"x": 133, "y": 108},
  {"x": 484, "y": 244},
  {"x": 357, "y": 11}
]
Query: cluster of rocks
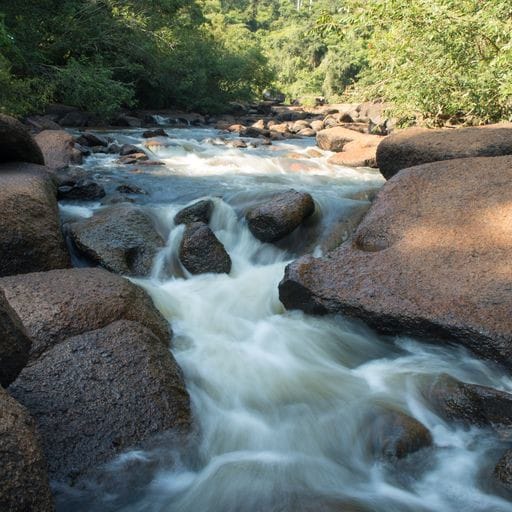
[
  {"x": 429, "y": 259},
  {"x": 85, "y": 366}
]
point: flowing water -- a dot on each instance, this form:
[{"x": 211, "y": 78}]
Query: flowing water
[{"x": 281, "y": 399}]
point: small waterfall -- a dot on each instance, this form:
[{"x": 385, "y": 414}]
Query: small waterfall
[{"x": 281, "y": 398}]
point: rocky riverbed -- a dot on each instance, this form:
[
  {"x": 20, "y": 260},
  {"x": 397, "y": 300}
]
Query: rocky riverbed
[{"x": 221, "y": 319}]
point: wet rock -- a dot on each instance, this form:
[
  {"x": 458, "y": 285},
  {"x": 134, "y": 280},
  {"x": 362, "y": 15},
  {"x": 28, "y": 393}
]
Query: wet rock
[
  {"x": 114, "y": 149},
  {"x": 240, "y": 144},
  {"x": 471, "y": 404},
  {"x": 417, "y": 146},
  {"x": 394, "y": 435},
  {"x": 358, "y": 153},
  {"x": 200, "y": 211},
  {"x": 30, "y": 235},
  {"x": 58, "y": 148},
  {"x": 128, "y": 149},
  {"x": 503, "y": 470},
  {"x": 121, "y": 239},
  {"x": 16, "y": 143},
  {"x": 422, "y": 263},
  {"x": 62, "y": 303},
  {"x": 201, "y": 252},
  {"x": 91, "y": 140},
  {"x": 127, "y": 188},
  {"x": 254, "y": 132},
  {"x": 134, "y": 158},
  {"x": 116, "y": 388},
  {"x": 129, "y": 121},
  {"x": 69, "y": 176},
  {"x": 24, "y": 485},
  {"x": 14, "y": 343},
  {"x": 279, "y": 215},
  {"x": 84, "y": 190},
  {"x": 158, "y": 132}
]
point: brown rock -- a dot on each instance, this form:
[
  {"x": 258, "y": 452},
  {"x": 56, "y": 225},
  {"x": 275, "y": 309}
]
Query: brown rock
[
  {"x": 279, "y": 215},
  {"x": 201, "y": 251},
  {"x": 317, "y": 125},
  {"x": 114, "y": 389},
  {"x": 16, "y": 143},
  {"x": 58, "y": 148},
  {"x": 358, "y": 153},
  {"x": 40, "y": 123},
  {"x": 335, "y": 139},
  {"x": 14, "y": 343},
  {"x": 394, "y": 435},
  {"x": 157, "y": 132},
  {"x": 122, "y": 239},
  {"x": 30, "y": 234},
  {"x": 417, "y": 146},
  {"x": 62, "y": 303},
  {"x": 24, "y": 482},
  {"x": 422, "y": 262},
  {"x": 471, "y": 404}
]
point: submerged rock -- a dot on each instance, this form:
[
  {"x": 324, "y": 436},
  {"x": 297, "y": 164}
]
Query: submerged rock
[
  {"x": 157, "y": 132},
  {"x": 422, "y": 263},
  {"x": 14, "y": 343},
  {"x": 417, "y": 146},
  {"x": 58, "y": 148},
  {"x": 503, "y": 470},
  {"x": 59, "y": 304},
  {"x": 394, "y": 435},
  {"x": 201, "y": 211},
  {"x": 17, "y": 144},
  {"x": 279, "y": 215},
  {"x": 114, "y": 389},
  {"x": 471, "y": 404},
  {"x": 30, "y": 235},
  {"x": 85, "y": 190},
  {"x": 122, "y": 239},
  {"x": 24, "y": 484},
  {"x": 201, "y": 252}
]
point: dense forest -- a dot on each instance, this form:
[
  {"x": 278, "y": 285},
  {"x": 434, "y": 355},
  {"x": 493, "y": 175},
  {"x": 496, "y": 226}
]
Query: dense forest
[{"x": 432, "y": 60}]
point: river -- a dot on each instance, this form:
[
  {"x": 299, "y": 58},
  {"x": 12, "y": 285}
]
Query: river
[{"x": 281, "y": 399}]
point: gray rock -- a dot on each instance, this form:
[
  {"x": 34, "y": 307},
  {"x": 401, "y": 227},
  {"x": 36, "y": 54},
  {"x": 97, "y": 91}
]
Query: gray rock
[
  {"x": 201, "y": 252},
  {"x": 121, "y": 239},
  {"x": 16, "y": 143},
  {"x": 201, "y": 211},
  {"x": 279, "y": 215}
]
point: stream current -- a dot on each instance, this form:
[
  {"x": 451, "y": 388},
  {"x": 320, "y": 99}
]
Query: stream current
[{"x": 280, "y": 398}]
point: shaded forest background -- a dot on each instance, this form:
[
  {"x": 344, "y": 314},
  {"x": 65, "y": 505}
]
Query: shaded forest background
[{"x": 432, "y": 60}]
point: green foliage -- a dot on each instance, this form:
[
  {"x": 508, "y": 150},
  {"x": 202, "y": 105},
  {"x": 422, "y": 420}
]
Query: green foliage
[
  {"x": 431, "y": 59},
  {"x": 90, "y": 86}
]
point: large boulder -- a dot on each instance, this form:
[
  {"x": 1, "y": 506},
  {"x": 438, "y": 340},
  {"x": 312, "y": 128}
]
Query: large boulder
[
  {"x": 16, "y": 143},
  {"x": 417, "y": 146},
  {"x": 62, "y": 303},
  {"x": 58, "y": 148},
  {"x": 470, "y": 404},
  {"x": 336, "y": 139},
  {"x": 201, "y": 251},
  {"x": 24, "y": 485},
  {"x": 200, "y": 211},
  {"x": 30, "y": 235},
  {"x": 122, "y": 239},
  {"x": 428, "y": 260},
  {"x": 279, "y": 215},
  {"x": 115, "y": 388},
  {"x": 14, "y": 343}
]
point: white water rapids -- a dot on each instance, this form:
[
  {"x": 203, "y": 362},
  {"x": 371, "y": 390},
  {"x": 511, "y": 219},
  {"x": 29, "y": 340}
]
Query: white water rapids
[{"x": 281, "y": 398}]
